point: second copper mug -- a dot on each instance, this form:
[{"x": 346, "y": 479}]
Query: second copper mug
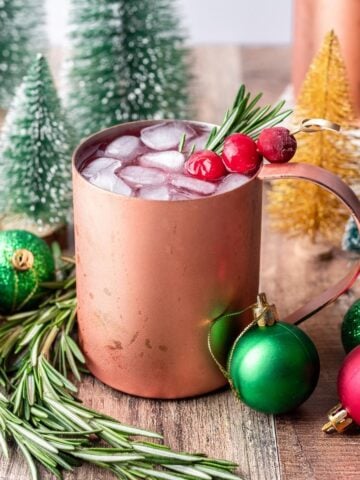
[{"x": 152, "y": 275}]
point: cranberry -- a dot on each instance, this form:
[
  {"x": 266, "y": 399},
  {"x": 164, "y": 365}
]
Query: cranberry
[
  {"x": 240, "y": 154},
  {"x": 277, "y": 144},
  {"x": 206, "y": 165}
]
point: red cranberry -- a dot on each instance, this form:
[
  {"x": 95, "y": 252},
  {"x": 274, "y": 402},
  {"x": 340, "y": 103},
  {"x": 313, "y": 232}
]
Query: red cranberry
[
  {"x": 206, "y": 165},
  {"x": 277, "y": 144},
  {"x": 240, "y": 154}
]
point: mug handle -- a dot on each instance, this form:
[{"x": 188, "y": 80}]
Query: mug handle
[{"x": 333, "y": 184}]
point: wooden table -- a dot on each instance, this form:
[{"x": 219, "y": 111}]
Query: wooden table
[{"x": 289, "y": 447}]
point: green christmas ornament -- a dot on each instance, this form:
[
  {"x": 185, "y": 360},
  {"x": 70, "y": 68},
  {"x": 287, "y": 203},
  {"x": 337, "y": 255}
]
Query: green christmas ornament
[
  {"x": 25, "y": 262},
  {"x": 273, "y": 367},
  {"x": 350, "y": 328}
]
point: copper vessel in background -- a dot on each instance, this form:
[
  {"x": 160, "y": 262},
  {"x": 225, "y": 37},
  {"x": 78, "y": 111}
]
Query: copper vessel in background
[{"x": 152, "y": 275}]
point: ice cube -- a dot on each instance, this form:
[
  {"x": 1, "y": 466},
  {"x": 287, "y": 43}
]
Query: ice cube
[
  {"x": 155, "y": 193},
  {"x": 138, "y": 176},
  {"x": 98, "y": 165},
  {"x": 126, "y": 148},
  {"x": 232, "y": 181},
  {"x": 199, "y": 143},
  {"x": 193, "y": 184},
  {"x": 167, "y": 135},
  {"x": 176, "y": 195},
  {"x": 111, "y": 182},
  {"x": 171, "y": 160}
]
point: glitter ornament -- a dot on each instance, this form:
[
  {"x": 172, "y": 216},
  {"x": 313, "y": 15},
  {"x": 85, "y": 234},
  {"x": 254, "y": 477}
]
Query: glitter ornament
[
  {"x": 350, "y": 328},
  {"x": 36, "y": 147},
  {"x": 25, "y": 262},
  {"x": 128, "y": 63},
  {"x": 21, "y": 36}
]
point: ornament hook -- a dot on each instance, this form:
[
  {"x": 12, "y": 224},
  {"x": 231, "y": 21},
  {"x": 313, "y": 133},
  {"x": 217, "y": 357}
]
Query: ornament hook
[{"x": 22, "y": 259}]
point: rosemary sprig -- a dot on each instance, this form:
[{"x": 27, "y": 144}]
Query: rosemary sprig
[
  {"x": 245, "y": 116},
  {"x": 42, "y": 415},
  {"x": 182, "y": 142}
]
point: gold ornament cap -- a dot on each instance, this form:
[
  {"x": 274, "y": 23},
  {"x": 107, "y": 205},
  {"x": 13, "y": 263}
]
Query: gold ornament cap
[
  {"x": 22, "y": 259},
  {"x": 339, "y": 420},
  {"x": 266, "y": 314}
]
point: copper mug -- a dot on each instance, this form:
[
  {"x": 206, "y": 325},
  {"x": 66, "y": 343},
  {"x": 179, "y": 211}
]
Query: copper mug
[{"x": 152, "y": 275}]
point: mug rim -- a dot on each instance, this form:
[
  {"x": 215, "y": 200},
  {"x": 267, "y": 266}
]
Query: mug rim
[{"x": 149, "y": 123}]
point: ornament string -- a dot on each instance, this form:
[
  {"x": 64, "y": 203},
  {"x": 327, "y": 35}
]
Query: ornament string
[
  {"x": 260, "y": 309},
  {"x": 216, "y": 321}
]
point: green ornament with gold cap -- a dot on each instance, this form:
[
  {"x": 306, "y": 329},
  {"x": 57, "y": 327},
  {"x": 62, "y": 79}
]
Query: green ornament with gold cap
[
  {"x": 26, "y": 261},
  {"x": 273, "y": 366}
]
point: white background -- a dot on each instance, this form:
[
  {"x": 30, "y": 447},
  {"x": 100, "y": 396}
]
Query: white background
[{"x": 209, "y": 21}]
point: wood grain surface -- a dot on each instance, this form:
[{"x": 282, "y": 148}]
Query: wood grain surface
[{"x": 289, "y": 447}]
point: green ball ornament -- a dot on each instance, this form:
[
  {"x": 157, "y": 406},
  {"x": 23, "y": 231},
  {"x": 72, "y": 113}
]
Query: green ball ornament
[
  {"x": 25, "y": 262},
  {"x": 350, "y": 328},
  {"x": 274, "y": 369}
]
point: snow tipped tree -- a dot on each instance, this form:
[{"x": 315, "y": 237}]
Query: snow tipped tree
[
  {"x": 21, "y": 36},
  {"x": 35, "y": 156},
  {"x": 128, "y": 63}
]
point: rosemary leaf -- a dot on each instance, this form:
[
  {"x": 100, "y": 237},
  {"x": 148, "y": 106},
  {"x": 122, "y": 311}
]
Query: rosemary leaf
[
  {"x": 31, "y": 389},
  {"x": 128, "y": 429},
  {"x": 109, "y": 457},
  {"x": 150, "y": 473},
  {"x": 159, "y": 452},
  {"x": 60, "y": 379},
  {"x": 25, "y": 432},
  {"x": 189, "y": 471},
  {"x": 3, "y": 445},
  {"x": 30, "y": 335},
  {"x": 28, "y": 458},
  {"x": 75, "y": 349},
  {"x": 60, "y": 407},
  {"x": 182, "y": 142},
  {"x": 39, "y": 413},
  {"x": 70, "y": 358},
  {"x": 218, "y": 473}
]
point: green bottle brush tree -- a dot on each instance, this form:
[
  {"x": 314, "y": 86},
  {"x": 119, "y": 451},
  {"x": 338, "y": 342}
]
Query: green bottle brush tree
[
  {"x": 21, "y": 36},
  {"x": 36, "y": 146},
  {"x": 128, "y": 63}
]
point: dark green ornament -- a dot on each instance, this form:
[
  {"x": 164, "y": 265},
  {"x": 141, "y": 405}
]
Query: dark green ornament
[
  {"x": 350, "y": 328},
  {"x": 25, "y": 262},
  {"x": 274, "y": 369}
]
